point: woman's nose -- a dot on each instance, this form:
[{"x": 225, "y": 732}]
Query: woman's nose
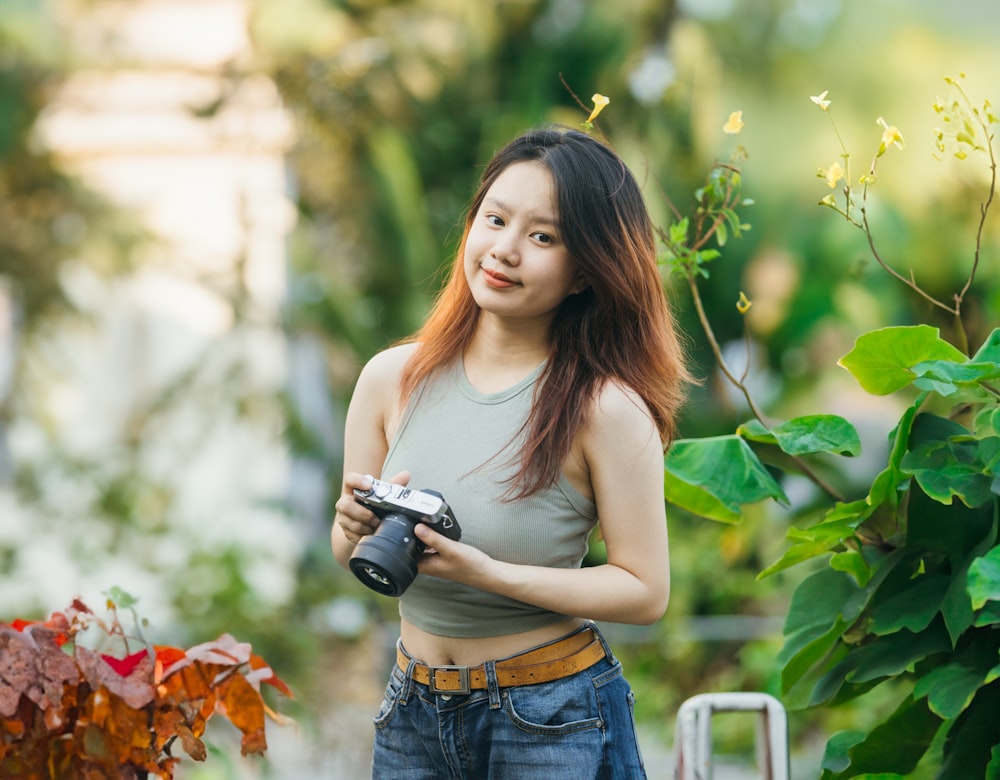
[{"x": 505, "y": 248}]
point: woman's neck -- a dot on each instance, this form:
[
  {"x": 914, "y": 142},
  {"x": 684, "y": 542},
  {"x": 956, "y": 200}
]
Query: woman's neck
[{"x": 497, "y": 358}]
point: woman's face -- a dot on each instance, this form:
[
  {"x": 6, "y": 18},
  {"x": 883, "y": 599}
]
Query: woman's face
[{"x": 516, "y": 263}]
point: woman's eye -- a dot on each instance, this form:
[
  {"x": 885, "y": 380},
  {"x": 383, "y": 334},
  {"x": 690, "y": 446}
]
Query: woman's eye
[
  {"x": 543, "y": 238},
  {"x": 493, "y": 219}
]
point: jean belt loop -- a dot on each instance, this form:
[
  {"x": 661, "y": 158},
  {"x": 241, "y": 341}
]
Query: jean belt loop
[
  {"x": 490, "y": 669},
  {"x": 404, "y": 692},
  {"x": 600, "y": 636}
]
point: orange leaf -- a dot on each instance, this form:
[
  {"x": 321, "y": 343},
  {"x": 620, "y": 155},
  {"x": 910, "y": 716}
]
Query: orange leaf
[
  {"x": 267, "y": 676},
  {"x": 243, "y": 706}
]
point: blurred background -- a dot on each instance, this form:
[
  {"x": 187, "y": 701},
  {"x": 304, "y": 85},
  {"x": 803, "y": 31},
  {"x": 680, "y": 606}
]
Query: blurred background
[{"x": 213, "y": 212}]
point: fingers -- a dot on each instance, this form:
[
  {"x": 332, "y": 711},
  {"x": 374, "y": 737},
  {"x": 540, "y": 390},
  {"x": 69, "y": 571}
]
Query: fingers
[{"x": 355, "y": 520}]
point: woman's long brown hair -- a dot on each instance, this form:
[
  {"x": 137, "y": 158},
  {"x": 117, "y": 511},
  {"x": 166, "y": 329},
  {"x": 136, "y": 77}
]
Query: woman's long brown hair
[{"x": 620, "y": 328}]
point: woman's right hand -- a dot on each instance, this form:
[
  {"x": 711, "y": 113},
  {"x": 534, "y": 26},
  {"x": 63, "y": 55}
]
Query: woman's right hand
[{"x": 354, "y": 519}]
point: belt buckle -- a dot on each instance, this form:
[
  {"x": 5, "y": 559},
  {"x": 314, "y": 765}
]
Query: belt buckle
[{"x": 463, "y": 680}]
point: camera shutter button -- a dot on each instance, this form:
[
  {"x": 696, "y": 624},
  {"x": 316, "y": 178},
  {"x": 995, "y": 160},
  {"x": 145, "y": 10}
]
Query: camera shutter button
[{"x": 381, "y": 489}]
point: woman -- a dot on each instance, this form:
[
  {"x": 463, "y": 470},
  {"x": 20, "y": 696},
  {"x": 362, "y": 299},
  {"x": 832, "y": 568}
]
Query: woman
[{"x": 537, "y": 399}]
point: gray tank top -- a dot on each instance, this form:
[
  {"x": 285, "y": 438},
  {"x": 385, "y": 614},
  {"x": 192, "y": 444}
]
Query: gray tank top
[{"x": 458, "y": 441}]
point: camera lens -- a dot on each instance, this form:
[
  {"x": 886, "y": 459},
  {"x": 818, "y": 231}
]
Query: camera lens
[{"x": 386, "y": 561}]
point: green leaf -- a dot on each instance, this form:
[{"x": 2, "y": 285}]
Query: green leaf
[
  {"x": 837, "y": 756},
  {"x": 678, "y": 232},
  {"x": 888, "y": 656},
  {"x": 894, "y": 746},
  {"x": 972, "y": 738},
  {"x": 989, "y": 615},
  {"x": 724, "y": 468},
  {"x": 885, "y": 487},
  {"x": 955, "y": 467},
  {"x": 945, "y": 377},
  {"x": 950, "y": 688},
  {"x": 954, "y": 529},
  {"x": 993, "y": 768},
  {"x": 721, "y": 234},
  {"x": 819, "y": 600},
  {"x": 804, "y": 651},
  {"x": 698, "y": 501},
  {"x": 854, "y": 563},
  {"x": 881, "y": 360},
  {"x": 947, "y": 460},
  {"x": 818, "y": 539},
  {"x": 986, "y": 421},
  {"x": 120, "y": 598},
  {"x": 983, "y": 579},
  {"x": 807, "y": 435},
  {"x": 913, "y": 608},
  {"x": 989, "y": 352}
]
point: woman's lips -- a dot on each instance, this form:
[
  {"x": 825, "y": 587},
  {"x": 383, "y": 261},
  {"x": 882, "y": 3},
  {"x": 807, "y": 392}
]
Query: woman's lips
[{"x": 497, "y": 280}]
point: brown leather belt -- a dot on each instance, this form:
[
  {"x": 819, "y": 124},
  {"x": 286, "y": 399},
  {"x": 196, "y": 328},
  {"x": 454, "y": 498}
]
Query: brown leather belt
[{"x": 549, "y": 662}]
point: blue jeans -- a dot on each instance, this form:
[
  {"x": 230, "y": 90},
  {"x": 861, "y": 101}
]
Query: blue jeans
[{"x": 578, "y": 728}]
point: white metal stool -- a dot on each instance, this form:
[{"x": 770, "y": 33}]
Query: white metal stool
[{"x": 693, "y": 739}]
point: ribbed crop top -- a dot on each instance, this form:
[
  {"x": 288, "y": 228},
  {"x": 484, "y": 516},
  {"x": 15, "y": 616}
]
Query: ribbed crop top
[{"x": 458, "y": 441}]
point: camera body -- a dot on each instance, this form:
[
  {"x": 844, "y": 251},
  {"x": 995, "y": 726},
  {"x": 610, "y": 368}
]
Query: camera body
[{"x": 386, "y": 561}]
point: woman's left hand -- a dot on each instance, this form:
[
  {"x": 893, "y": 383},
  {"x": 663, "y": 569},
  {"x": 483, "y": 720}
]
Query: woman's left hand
[{"x": 447, "y": 559}]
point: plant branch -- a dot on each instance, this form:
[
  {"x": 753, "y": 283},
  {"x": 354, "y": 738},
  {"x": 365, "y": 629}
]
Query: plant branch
[{"x": 740, "y": 385}]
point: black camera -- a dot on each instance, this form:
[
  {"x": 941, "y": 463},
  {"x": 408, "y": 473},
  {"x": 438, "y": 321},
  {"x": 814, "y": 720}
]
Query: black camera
[{"x": 386, "y": 561}]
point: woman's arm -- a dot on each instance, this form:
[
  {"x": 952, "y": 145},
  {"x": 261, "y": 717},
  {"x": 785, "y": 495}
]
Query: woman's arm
[
  {"x": 624, "y": 455},
  {"x": 371, "y": 416}
]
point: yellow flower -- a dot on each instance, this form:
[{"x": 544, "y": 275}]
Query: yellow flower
[
  {"x": 734, "y": 124},
  {"x": 890, "y": 135},
  {"x": 600, "y": 101},
  {"x": 743, "y": 304},
  {"x": 820, "y": 100},
  {"x": 833, "y": 174}
]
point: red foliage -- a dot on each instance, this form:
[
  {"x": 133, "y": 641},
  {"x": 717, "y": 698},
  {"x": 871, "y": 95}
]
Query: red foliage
[{"x": 67, "y": 711}]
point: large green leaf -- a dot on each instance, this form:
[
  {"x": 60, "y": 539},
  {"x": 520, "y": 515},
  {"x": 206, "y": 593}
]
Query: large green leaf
[
  {"x": 814, "y": 625},
  {"x": 971, "y": 741},
  {"x": 698, "y": 500},
  {"x": 888, "y": 656},
  {"x": 819, "y": 601},
  {"x": 886, "y": 486},
  {"x": 886, "y": 574},
  {"x": 954, "y": 529},
  {"x": 951, "y": 687},
  {"x": 962, "y": 467},
  {"x": 913, "y": 608},
  {"x": 724, "y": 472},
  {"x": 804, "y": 651},
  {"x": 807, "y": 435},
  {"x": 989, "y": 352},
  {"x": 837, "y": 756},
  {"x": 945, "y": 377},
  {"x": 983, "y": 580},
  {"x": 881, "y": 360},
  {"x": 957, "y": 608},
  {"x": 894, "y": 746}
]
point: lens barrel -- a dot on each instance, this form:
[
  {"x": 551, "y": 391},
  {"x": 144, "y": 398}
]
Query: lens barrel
[{"x": 386, "y": 561}]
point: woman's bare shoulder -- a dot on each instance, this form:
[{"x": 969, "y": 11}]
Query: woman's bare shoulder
[
  {"x": 616, "y": 402},
  {"x": 387, "y": 365}
]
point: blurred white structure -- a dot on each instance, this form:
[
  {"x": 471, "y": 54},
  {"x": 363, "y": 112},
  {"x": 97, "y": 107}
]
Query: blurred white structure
[{"x": 169, "y": 127}]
